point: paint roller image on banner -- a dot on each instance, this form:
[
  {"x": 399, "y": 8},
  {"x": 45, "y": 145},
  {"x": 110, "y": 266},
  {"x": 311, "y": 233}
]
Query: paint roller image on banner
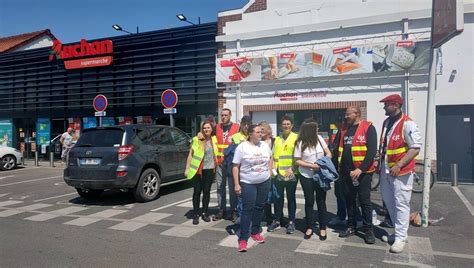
[{"x": 398, "y": 56}]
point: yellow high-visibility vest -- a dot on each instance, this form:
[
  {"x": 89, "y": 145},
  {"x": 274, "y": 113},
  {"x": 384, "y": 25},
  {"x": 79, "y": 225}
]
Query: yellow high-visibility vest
[
  {"x": 198, "y": 155},
  {"x": 283, "y": 154},
  {"x": 239, "y": 137}
]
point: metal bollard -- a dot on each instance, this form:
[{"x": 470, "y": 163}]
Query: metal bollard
[
  {"x": 51, "y": 159},
  {"x": 454, "y": 174},
  {"x": 36, "y": 159}
]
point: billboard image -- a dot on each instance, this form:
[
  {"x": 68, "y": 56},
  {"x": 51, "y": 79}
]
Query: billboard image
[
  {"x": 402, "y": 55},
  {"x": 6, "y": 135}
]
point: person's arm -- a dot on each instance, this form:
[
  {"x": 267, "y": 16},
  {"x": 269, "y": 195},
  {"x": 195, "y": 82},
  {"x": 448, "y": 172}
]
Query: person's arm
[
  {"x": 412, "y": 137},
  {"x": 324, "y": 145},
  {"x": 188, "y": 162},
  {"x": 235, "y": 175},
  {"x": 61, "y": 140}
]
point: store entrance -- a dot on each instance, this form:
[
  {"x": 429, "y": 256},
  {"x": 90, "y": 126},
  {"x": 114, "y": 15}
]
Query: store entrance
[{"x": 325, "y": 119}]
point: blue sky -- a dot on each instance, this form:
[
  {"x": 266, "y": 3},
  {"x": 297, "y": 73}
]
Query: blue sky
[{"x": 71, "y": 20}]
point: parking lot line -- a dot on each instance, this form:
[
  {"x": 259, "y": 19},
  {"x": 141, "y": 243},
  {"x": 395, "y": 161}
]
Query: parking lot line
[
  {"x": 102, "y": 215},
  {"x": 10, "y": 202},
  {"x": 53, "y": 197},
  {"x": 55, "y": 214},
  {"x": 20, "y": 182},
  {"x": 15, "y": 211},
  {"x": 464, "y": 200}
]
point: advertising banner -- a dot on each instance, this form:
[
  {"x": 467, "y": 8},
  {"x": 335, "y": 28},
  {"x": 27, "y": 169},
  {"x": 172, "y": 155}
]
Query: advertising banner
[
  {"x": 43, "y": 131},
  {"x": 6, "y": 132},
  {"x": 146, "y": 120},
  {"x": 75, "y": 124},
  {"x": 125, "y": 120},
  {"x": 108, "y": 121},
  {"x": 405, "y": 55},
  {"x": 89, "y": 122}
]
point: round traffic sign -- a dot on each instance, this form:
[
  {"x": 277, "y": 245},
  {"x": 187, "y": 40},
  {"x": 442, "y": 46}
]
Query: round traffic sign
[
  {"x": 100, "y": 103},
  {"x": 169, "y": 98}
]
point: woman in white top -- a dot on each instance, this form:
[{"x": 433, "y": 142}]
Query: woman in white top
[
  {"x": 251, "y": 172},
  {"x": 309, "y": 148}
]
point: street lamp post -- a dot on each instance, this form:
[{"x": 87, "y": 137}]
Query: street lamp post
[
  {"x": 118, "y": 28},
  {"x": 181, "y": 17}
]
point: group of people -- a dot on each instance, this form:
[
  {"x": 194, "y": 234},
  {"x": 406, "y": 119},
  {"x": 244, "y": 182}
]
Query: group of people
[{"x": 259, "y": 169}]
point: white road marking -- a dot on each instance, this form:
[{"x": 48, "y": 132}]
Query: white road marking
[
  {"x": 140, "y": 221},
  {"x": 102, "y": 215},
  {"x": 231, "y": 241},
  {"x": 53, "y": 197},
  {"x": 181, "y": 231},
  {"x": 418, "y": 252},
  {"x": 41, "y": 179},
  {"x": 19, "y": 197},
  {"x": 10, "y": 202},
  {"x": 315, "y": 246},
  {"x": 8, "y": 176},
  {"x": 55, "y": 213},
  {"x": 15, "y": 211},
  {"x": 464, "y": 200},
  {"x": 2, "y": 195}
]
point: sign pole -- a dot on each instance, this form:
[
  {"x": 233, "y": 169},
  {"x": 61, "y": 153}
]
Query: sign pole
[
  {"x": 100, "y": 121},
  {"x": 171, "y": 120},
  {"x": 428, "y": 137}
]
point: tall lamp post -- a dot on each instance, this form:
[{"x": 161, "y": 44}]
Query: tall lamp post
[
  {"x": 120, "y": 29},
  {"x": 181, "y": 17}
]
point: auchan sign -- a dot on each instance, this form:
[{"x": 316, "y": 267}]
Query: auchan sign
[{"x": 79, "y": 55}]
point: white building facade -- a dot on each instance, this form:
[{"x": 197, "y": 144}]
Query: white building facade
[{"x": 303, "y": 39}]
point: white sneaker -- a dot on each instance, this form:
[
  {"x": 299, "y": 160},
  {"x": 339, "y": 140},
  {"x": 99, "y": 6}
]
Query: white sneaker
[
  {"x": 337, "y": 221},
  {"x": 398, "y": 246},
  {"x": 388, "y": 238}
]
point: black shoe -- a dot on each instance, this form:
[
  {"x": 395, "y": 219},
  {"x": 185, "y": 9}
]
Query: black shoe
[
  {"x": 308, "y": 236},
  {"x": 234, "y": 216},
  {"x": 386, "y": 223},
  {"x": 369, "y": 237},
  {"x": 196, "y": 219},
  {"x": 348, "y": 232},
  {"x": 219, "y": 216},
  {"x": 322, "y": 238},
  {"x": 205, "y": 217}
]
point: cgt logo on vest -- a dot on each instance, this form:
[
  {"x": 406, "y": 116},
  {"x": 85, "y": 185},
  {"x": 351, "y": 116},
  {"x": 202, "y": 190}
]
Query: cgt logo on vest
[
  {"x": 69, "y": 54},
  {"x": 361, "y": 138}
]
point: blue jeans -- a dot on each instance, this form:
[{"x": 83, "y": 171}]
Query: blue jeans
[{"x": 254, "y": 197}]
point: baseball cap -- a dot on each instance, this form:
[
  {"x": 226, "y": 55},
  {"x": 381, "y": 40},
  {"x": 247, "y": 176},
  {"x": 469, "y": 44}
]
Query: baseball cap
[
  {"x": 246, "y": 119},
  {"x": 395, "y": 98}
]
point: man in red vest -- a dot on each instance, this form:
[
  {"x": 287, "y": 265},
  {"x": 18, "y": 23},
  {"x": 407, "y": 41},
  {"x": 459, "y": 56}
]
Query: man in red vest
[
  {"x": 356, "y": 153},
  {"x": 400, "y": 143},
  {"x": 224, "y": 132}
]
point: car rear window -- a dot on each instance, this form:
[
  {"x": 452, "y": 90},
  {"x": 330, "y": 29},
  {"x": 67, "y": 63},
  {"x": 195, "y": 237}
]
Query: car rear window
[{"x": 101, "y": 138}]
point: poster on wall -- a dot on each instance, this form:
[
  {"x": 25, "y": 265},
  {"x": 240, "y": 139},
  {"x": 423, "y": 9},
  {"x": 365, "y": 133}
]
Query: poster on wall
[
  {"x": 402, "y": 55},
  {"x": 43, "y": 131},
  {"x": 6, "y": 132},
  {"x": 146, "y": 120},
  {"x": 89, "y": 122},
  {"x": 125, "y": 120},
  {"x": 108, "y": 121},
  {"x": 75, "y": 124}
]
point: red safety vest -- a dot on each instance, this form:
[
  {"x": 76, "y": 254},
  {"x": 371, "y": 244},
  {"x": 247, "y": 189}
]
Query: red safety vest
[
  {"x": 359, "y": 146},
  {"x": 397, "y": 147},
  {"x": 221, "y": 143}
]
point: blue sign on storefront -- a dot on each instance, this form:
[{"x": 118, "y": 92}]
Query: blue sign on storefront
[{"x": 43, "y": 131}]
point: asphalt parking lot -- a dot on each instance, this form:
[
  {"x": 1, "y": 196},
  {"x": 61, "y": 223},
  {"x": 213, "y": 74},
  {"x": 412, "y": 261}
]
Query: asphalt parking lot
[{"x": 44, "y": 223}]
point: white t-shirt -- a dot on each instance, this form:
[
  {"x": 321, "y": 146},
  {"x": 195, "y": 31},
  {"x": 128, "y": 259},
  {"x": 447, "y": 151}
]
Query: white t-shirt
[
  {"x": 253, "y": 160},
  {"x": 310, "y": 155},
  {"x": 67, "y": 139}
]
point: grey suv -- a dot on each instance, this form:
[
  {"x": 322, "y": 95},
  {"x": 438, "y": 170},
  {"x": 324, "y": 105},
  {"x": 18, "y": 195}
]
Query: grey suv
[{"x": 140, "y": 158}]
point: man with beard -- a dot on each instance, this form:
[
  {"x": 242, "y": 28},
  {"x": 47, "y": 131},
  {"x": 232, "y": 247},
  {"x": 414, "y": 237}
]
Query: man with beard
[
  {"x": 356, "y": 153},
  {"x": 400, "y": 143}
]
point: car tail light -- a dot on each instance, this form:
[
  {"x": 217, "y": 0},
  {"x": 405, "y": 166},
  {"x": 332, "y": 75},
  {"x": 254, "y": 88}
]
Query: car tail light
[
  {"x": 124, "y": 151},
  {"x": 121, "y": 173}
]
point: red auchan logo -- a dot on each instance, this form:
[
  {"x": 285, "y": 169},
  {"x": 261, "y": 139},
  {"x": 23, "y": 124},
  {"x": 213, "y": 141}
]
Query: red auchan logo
[{"x": 81, "y": 50}]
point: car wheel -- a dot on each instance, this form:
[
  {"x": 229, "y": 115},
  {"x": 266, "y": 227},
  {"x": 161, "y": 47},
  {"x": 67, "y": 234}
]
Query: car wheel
[
  {"x": 89, "y": 193},
  {"x": 8, "y": 162},
  {"x": 148, "y": 186}
]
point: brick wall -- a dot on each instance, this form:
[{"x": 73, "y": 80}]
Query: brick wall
[
  {"x": 258, "y": 5},
  {"x": 221, "y": 21}
]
